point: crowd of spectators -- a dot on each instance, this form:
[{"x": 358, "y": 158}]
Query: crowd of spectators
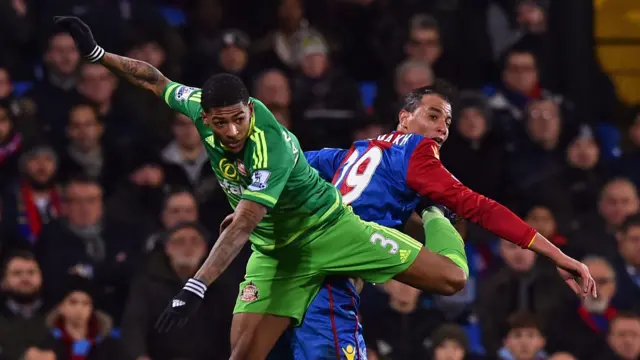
[{"x": 108, "y": 201}]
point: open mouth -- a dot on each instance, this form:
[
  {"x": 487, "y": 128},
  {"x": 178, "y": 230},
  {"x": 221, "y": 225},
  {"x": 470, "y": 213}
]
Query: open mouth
[{"x": 439, "y": 140}]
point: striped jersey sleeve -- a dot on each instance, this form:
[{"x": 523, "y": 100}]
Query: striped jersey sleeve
[{"x": 183, "y": 99}]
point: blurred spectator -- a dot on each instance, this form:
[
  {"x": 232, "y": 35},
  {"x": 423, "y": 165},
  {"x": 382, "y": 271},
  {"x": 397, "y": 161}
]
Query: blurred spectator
[
  {"x": 272, "y": 88},
  {"x": 149, "y": 111},
  {"x": 624, "y": 337},
  {"x": 516, "y": 287},
  {"x": 523, "y": 340},
  {"x": 89, "y": 244},
  {"x": 573, "y": 192},
  {"x": 449, "y": 342},
  {"x": 327, "y": 101},
  {"x": 179, "y": 206},
  {"x": 278, "y": 49},
  {"x": 98, "y": 85},
  {"x": 206, "y": 335},
  {"x": 540, "y": 153},
  {"x": 79, "y": 330},
  {"x": 6, "y": 87},
  {"x": 186, "y": 165},
  {"x": 510, "y": 25},
  {"x": 401, "y": 311},
  {"x": 233, "y": 56},
  {"x": 473, "y": 148},
  {"x": 17, "y": 32},
  {"x": 627, "y": 264},
  {"x": 409, "y": 75},
  {"x": 580, "y": 329},
  {"x": 369, "y": 130},
  {"x": 596, "y": 231},
  {"x": 54, "y": 95},
  {"x": 22, "y": 316},
  {"x": 10, "y": 145},
  {"x": 34, "y": 200},
  {"x": 423, "y": 44},
  {"x": 542, "y": 219},
  {"x": 87, "y": 154},
  {"x": 630, "y": 161}
]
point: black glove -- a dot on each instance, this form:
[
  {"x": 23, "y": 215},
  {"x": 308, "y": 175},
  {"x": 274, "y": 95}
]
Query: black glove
[
  {"x": 81, "y": 33},
  {"x": 183, "y": 306}
]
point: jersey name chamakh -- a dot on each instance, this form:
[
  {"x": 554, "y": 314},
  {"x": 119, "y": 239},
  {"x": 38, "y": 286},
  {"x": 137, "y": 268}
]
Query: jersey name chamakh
[
  {"x": 384, "y": 178},
  {"x": 271, "y": 170}
]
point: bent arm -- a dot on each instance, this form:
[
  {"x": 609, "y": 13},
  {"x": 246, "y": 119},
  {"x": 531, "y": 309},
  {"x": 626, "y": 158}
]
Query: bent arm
[
  {"x": 248, "y": 215},
  {"x": 136, "y": 72}
]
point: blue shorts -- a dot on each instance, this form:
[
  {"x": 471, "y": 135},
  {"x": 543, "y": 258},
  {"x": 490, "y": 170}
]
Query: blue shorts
[{"x": 330, "y": 329}]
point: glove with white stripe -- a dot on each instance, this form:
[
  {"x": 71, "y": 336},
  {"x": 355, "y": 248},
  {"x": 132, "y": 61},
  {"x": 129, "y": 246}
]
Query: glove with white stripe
[
  {"x": 183, "y": 306},
  {"x": 82, "y": 35}
]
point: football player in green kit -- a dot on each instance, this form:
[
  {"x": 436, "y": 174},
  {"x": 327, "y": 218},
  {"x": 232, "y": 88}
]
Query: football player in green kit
[{"x": 298, "y": 226}]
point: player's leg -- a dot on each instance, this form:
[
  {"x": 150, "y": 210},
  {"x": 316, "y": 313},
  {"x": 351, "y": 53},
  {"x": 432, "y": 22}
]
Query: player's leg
[
  {"x": 331, "y": 327},
  {"x": 273, "y": 296},
  {"x": 253, "y": 335},
  {"x": 377, "y": 254}
]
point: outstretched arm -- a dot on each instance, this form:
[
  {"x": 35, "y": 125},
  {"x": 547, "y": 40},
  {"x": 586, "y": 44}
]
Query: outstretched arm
[
  {"x": 247, "y": 216},
  {"x": 136, "y": 72}
]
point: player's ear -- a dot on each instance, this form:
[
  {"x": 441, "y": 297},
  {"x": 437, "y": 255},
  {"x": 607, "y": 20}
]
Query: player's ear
[
  {"x": 403, "y": 119},
  {"x": 205, "y": 120}
]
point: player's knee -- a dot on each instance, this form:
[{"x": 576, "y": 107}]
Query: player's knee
[{"x": 455, "y": 282}]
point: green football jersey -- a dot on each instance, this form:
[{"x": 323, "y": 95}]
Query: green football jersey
[{"x": 271, "y": 170}]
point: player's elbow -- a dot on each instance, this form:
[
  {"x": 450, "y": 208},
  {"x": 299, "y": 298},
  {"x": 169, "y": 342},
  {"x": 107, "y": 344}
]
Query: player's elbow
[{"x": 454, "y": 281}]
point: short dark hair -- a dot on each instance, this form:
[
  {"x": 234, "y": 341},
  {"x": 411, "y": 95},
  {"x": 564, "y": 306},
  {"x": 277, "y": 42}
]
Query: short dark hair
[
  {"x": 630, "y": 221},
  {"x": 440, "y": 87},
  {"x": 173, "y": 191},
  {"x": 223, "y": 90},
  {"x": 631, "y": 315},
  {"x": 16, "y": 254},
  {"x": 423, "y": 22},
  {"x": 82, "y": 179},
  {"x": 522, "y": 320},
  {"x": 89, "y": 104},
  {"x": 515, "y": 49}
]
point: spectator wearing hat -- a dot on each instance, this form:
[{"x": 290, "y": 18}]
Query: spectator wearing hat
[
  {"x": 473, "y": 148},
  {"x": 10, "y": 145},
  {"x": 229, "y": 53},
  {"x": 22, "y": 309},
  {"x": 630, "y": 161},
  {"x": 206, "y": 335},
  {"x": 34, "y": 200},
  {"x": 573, "y": 192},
  {"x": 90, "y": 243},
  {"x": 327, "y": 101},
  {"x": 79, "y": 331}
]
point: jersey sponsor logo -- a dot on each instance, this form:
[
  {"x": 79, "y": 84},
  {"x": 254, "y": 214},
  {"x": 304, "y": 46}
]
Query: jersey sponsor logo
[
  {"x": 183, "y": 92},
  {"x": 228, "y": 170},
  {"x": 259, "y": 180},
  {"x": 349, "y": 352},
  {"x": 249, "y": 292},
  {"x": 241, "y": 168},
  {"x": 231, "y": 188},
  {"x": 209, "y": 140}
]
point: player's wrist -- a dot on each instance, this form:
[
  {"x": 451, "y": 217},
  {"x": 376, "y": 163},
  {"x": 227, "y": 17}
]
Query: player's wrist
[
  {"x": 96, "y": 54},
  {"x": 196, "y": 287}
]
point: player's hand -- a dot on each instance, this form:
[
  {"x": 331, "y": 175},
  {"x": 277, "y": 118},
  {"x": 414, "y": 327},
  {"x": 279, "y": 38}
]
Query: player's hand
[
  {"x": 82, "y": 35},
  {"x": 183, "y": 306},
  {"x": 578, "y": 277}
]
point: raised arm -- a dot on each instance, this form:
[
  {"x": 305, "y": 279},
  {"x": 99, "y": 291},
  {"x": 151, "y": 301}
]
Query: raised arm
[
  {"x": 136, "y": 72},
  {"x": 246, "y": 217}
]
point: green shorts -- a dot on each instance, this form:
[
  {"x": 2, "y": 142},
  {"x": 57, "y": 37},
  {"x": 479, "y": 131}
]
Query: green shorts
[{"x": 285, "y": 281}]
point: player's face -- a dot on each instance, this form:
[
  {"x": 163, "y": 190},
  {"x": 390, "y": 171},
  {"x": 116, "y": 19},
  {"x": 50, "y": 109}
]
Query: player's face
[
  {"x": 230, "y": 124},
  {"x": 431, "y": 119}
]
